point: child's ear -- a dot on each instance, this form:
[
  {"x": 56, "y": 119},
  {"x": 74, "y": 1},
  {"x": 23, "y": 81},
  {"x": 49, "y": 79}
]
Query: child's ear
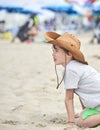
[{"x": 69, "y": 53}]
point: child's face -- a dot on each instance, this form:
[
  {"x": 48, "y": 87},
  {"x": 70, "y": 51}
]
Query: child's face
[{"x": 59, "y": 55}]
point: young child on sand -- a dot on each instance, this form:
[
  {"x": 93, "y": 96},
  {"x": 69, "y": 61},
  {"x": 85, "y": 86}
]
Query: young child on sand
[{"x": 79, "y": 78}]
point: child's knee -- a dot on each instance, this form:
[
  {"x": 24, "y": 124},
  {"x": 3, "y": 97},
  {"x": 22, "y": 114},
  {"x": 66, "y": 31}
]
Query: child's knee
[{"x": 81, "y": 122}]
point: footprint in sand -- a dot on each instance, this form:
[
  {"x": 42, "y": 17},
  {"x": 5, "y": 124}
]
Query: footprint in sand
[
  {"x": 11, "y": 122},
  {"x": 17, "y": 108},
  {"x": 41, "y": 125},
  {"x": 58, "y": 121},
  {"x": 96, "y": 56}
]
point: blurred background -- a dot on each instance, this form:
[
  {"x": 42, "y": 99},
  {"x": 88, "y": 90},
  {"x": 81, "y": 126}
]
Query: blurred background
[{"x": 25, "y": 19}]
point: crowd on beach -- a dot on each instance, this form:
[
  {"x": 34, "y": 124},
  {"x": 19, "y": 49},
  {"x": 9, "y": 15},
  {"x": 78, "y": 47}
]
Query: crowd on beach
[{"x": 61, "y": 22}]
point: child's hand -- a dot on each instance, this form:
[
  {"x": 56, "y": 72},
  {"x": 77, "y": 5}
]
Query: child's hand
[
  {"x": 70, "y": 126},
  {"x": 71, "y": 123}
]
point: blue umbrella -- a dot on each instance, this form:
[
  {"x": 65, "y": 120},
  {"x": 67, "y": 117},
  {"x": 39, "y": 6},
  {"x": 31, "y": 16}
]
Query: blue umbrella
[
  {"x": 87, "y": 5},
  {"x": 96, "y": 7},
  {"x": 10, "y": 5},
  {"x": 65, "y": 7},
  {"x": 18, "y": 6},
  {"x": 75, "y": 9},
  {"x": 58, "y": 7},
  {"x": 32, "y": 8}
]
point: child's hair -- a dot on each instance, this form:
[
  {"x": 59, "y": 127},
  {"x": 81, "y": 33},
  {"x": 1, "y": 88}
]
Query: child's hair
[
  {"x": 54, "y": 46},
  {"x": 66, "y": 51},
  {"x": 59, "y": 83}
]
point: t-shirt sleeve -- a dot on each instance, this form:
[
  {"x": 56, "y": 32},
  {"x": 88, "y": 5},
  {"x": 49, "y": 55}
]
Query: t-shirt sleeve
[{"x": 71, "y": 80}]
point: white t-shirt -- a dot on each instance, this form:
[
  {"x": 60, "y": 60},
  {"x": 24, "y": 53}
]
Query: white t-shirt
[{"x": 85, "y": 80}]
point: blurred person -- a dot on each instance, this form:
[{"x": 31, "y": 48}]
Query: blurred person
[
  {"x": 96, "y": 35},
  {"x": 97, "y": 21},
  {"x": 7, "y": 35},
  {"x": 33, "y": 31},
  {"x": 2, "y": 26},
  {"x": 26, "y": 30},
  {"x": 4, "y": 32},
  {"x": 79, "y": 78}
]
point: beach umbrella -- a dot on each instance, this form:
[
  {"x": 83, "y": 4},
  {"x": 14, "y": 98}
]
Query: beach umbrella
[
  {"x": 58, "y": 8},
  {"x": 87, "y": 5},
  {"x": 76, "y": 9},
  {"x": 32, "y": 7},
  {"x": 68, "y": 8},
  {"x": 45, "y": 15},
  {"x": 10, "y": 5},
  {"x": 96, "y": 7},
  {"x": 20, "y": 6}
]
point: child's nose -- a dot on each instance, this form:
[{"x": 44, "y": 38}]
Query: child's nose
[{"x": 52, "y": 54}]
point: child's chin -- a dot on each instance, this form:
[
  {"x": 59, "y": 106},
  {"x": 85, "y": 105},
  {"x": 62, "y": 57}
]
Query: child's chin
[{"x": 57, "y": 63}]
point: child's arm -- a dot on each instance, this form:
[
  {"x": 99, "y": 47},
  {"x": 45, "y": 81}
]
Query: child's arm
[
  {"x": 83, "y": 107},
  {"x": 70, "y": 105}
]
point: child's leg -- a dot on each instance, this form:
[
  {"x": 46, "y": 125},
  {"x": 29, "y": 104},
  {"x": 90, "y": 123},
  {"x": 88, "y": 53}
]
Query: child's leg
[{"x": 90, "y": 121}]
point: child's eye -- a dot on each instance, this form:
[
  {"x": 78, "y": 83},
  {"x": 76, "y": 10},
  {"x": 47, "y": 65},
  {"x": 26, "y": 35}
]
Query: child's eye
[{"x": 56, "y": 50}]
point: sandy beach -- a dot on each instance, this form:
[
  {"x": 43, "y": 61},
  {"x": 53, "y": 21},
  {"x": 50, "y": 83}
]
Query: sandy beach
[{"x": 29, "y": 99}]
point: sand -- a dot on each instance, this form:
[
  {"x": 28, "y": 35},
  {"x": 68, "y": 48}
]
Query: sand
[{"x": 28, "y": 96}]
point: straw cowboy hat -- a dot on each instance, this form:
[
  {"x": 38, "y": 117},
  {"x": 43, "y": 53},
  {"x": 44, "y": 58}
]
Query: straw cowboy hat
[{"x": 68, "y": 42}]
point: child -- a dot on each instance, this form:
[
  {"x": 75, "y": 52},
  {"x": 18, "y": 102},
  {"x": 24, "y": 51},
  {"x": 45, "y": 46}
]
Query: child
[{"x": 79, "y": 78}]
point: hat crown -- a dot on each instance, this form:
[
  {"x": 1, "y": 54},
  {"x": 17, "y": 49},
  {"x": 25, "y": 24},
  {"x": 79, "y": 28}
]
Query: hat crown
[{"x": 70, "y": 39}]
